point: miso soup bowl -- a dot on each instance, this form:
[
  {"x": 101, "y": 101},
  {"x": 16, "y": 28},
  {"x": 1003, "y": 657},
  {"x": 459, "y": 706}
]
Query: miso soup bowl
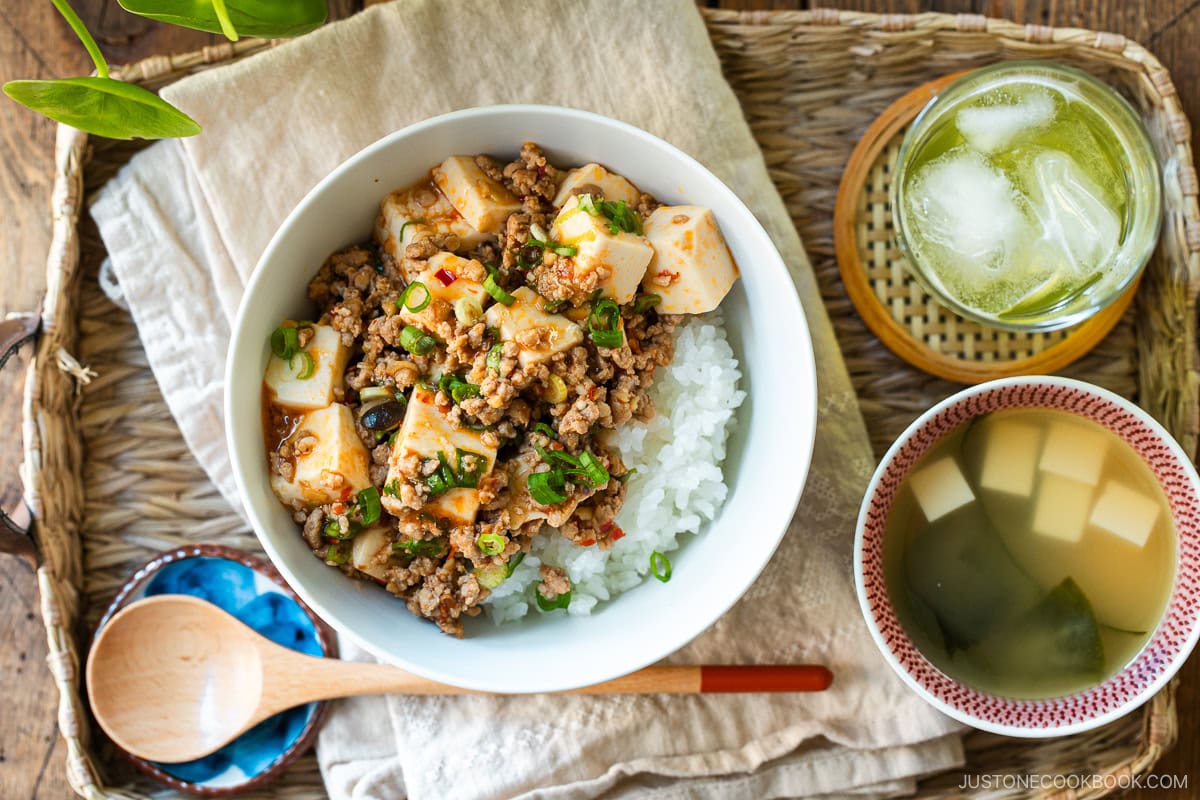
[{"x": 1176, "y": 632}]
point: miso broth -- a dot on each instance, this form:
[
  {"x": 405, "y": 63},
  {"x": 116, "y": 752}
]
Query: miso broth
[{"x": 1030, "y": 553}]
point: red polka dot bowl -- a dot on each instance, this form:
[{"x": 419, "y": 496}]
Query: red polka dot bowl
[{"x": 1168, "y": 646}]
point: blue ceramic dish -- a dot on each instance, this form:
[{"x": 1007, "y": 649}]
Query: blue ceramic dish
[{"x": 250, "y": 589}]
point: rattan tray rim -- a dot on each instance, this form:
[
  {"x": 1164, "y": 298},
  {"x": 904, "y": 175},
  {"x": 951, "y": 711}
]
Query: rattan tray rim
[{"x": 53, "y": 455}]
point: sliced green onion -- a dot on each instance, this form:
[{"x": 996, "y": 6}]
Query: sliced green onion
[
  {"x": 513, "y": 563},
  {"x": 494, "y": 355},
  {"x": 457, "y": 389},
  {"x": 392, "y": 437},
  {"x": 545, "y": 429},
  {"x": 604, "y": 324},
  {"x": 400, "y": 236},
  {"x": 646, "y": 302},
  {"x": 461, "y": 391},
  {"x": 566, "y": 250},
  {"x": 373, "y": 393},
  {"x": 492, "y": 575},
  {"x": 333, "y": 530},
  {"x": 595, "y": 471},
  {"x": 368, "y": 505},
  {"x": 285, "y": 342},
  {"x": 556, "y": 389},
  {"x": 554, "y": 306},
  {"x": 588, "y": 204},
  {"x": 392, "y": 487},
  {"x": 306, "y": 371},
  {"x": 660, "y": 566},
  {"x": 469, "y": 478},
  {"x": 491, "y": 544},
  {"x": 561, "y": 601},
  {"x": 442, "y": 479},
  {"x": 467, "y": 311},
  {"x": 337, "y": 553},
  {"x": 627, "y": 475},
  {"x": 416, "y": 341},
  {"x": 405, "y": 299},
  {"x": 498, "y": 294},
  {"x": 548, "y": 488},
  {"x": 430, "y": 548}
]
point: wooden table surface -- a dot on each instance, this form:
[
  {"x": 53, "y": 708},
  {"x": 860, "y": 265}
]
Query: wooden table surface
[{"x": 35, "y": 43}]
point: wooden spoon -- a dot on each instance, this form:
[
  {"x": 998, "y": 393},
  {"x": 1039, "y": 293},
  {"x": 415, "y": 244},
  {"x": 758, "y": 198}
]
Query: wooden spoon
[{"x": 172, "y": 678}]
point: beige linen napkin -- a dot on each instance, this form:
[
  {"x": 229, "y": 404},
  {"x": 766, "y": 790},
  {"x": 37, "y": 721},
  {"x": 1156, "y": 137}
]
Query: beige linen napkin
[{"x": 184, "y": 224}]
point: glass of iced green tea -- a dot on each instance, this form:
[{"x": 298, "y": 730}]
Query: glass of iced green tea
[{"x": 1027, "y": 196}]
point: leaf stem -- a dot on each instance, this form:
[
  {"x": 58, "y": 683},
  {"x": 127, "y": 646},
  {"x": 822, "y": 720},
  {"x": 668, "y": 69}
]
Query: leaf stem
[
  {"x": 223, "y": 17},
  {"x": 81, "y": 31}
]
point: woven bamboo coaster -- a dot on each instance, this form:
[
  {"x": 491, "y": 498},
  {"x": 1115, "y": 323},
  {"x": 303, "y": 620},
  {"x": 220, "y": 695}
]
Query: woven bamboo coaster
[{"x": 897, "y": 309}]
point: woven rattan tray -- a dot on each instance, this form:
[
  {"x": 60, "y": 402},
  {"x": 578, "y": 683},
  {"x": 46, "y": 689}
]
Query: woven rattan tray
[{"x": 110, "y": 481}]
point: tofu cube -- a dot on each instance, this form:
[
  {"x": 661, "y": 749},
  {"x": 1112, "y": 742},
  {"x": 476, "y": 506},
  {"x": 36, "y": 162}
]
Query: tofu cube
[
  {"x": 622, "y": 258},
  {"x": 595, "y": 179},
  {"x": 940, "y": 488},
  {"x": 334, "y": 469},
  {"x": 329, "y": 357},
  {"x": 466, "y": 280},
  {"x": 554, "y": 332},
  {"x": 692, "y": 268},
  {"x": 366, "y": 546},
  {"x": 1074, "y": 451},
  {"x": 483, "y": 202},
  {"x": 397, "y": 225},
  {"x": 1061, "y": 509},
  {"x": 1010, "y": 458},
  {"x": 1125, "y": 512},
  {"x": 425, "y": 432}
]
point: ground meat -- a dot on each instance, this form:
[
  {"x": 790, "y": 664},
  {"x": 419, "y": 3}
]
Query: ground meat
[
  {"x": 554, "y": 581},
  {"x": 430, "y": 560}
]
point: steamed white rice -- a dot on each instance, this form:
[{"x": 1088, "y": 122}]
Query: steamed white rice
[{"x": 678, "y": 485}]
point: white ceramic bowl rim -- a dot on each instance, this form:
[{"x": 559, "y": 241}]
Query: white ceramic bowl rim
[
  {"x": 637, "y": 628},
  {"x": 1172, "y": 640}
]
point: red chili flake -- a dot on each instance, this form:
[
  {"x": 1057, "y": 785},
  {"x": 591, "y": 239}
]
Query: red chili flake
[
  {"x": 445, "y": 276},
  {"x": 587, "y": 543},
  {"x": 670, "y": 277},
  {"x": 592, "y": 392},
  {"x": 339, "y": 508},
  {"x": 542, "y": 171},
  {"x": 347, "y": 491}
]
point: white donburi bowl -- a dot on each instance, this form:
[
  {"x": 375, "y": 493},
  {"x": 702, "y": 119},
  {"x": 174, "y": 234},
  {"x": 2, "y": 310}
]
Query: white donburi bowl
[{"x": 769, "y": 452}]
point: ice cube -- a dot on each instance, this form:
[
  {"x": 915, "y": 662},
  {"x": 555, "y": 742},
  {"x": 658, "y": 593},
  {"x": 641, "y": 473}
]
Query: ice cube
[
  {"x": 1074, "y": 451},
  {"x": 1062, "y": 508},
  {"x": 1077, "y": 225},
  {"x": 940, "y": 488},
  {"x": 1125, "y": 512},
  {"x": 969, "y": 208},
  {"x": 989, "y": 128}
]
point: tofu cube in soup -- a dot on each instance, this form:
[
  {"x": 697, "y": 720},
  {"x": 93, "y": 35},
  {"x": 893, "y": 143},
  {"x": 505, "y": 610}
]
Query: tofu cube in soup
[
  {"x": 596, "y": 180},
  {"x": 1074, "y": 451},
  {"x": 329, "y": 358},
  {"x": 620, "y": 258},
  {"x": 539, "y": 335},
  {"x": 940, "y": 488},
  {"x": 366, "y": 548},
  {"x": 1062, "y": 506},
  {"x": 1010, "y": 458},
  {"x": 331, "y": 462},
  {"x": 1126, "y": 513},
  {"x": 419, "y": 212},
  {"x": 692, "y": 269},
  {"x": 425, "y": 433},
  {"x": 448, "y": 278},
  {"x": 483, "y": 202}
]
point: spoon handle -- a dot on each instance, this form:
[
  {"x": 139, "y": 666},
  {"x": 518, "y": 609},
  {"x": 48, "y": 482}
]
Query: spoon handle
[{"x": 300, "y": 679}]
